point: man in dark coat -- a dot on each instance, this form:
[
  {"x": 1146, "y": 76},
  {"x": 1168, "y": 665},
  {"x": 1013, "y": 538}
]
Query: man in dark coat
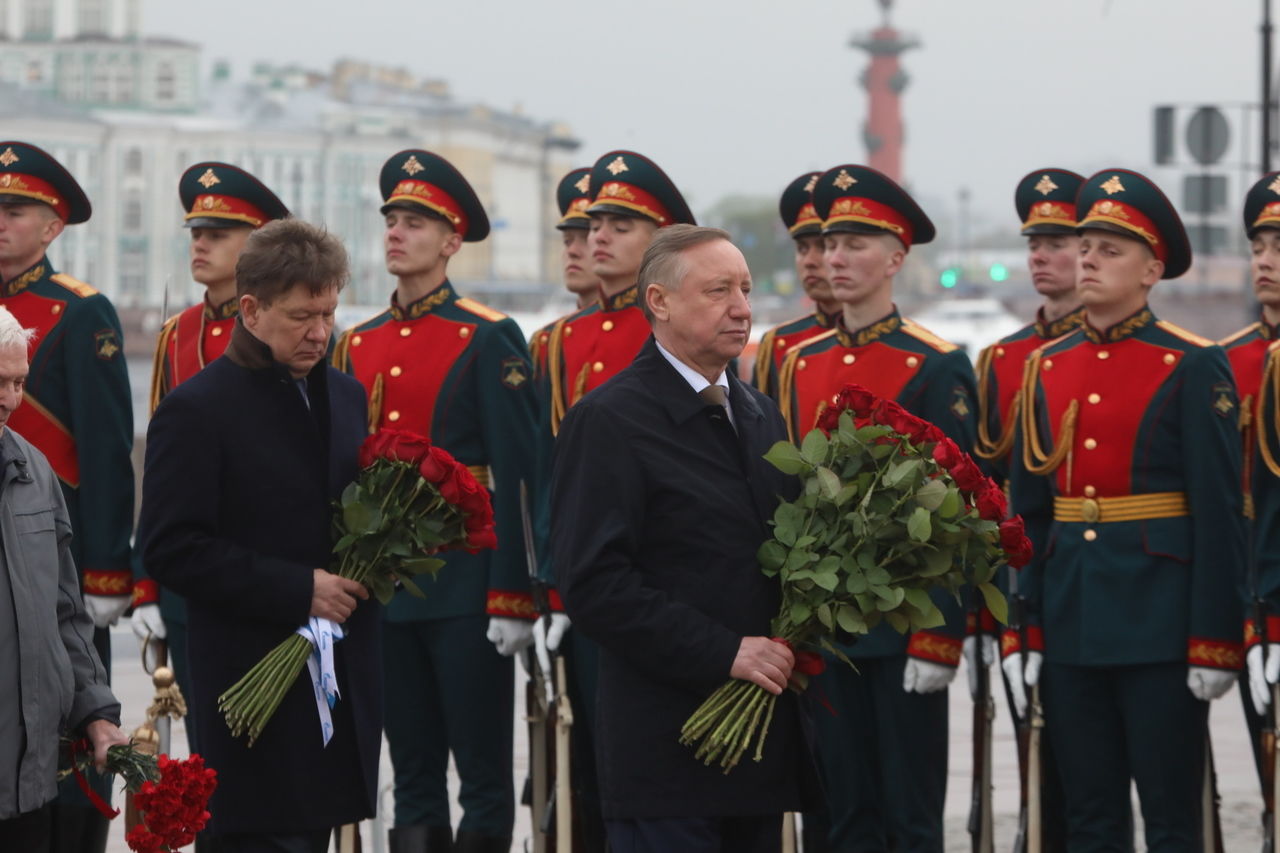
[
  {"x": 660, "y": 500},
  {"x": 244, "y": 461}
]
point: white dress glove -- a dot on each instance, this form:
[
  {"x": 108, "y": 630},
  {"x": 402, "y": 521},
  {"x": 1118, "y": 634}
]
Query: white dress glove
[
  {"x": 1207, "y": 684},
  {"x": 509, "y": 635},
  {"x": 106, "y": 610},
  {"x": 1019, "y": 680},
  {"x": 551, "y": 631},
  {"x": 1261, "y": 678},
  {"x": 988, "y": 658},
  {"x": 922, "y": 676},
  {"x": 147, "y": 623}
]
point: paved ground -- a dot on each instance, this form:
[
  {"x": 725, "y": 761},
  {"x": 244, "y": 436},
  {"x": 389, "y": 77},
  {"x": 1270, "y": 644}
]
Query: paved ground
[{"x": 1237, "y": 781}]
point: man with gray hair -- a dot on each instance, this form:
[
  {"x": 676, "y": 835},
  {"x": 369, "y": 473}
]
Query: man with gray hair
[
  {"x": 655, "y": 550},
  {"x": 51, "y": 679}
]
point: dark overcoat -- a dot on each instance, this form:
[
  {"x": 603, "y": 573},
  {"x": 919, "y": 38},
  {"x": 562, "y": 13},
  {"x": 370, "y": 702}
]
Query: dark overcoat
[
  {"x": 241, "y": 475},
  {"x": 657, "y": 513}
]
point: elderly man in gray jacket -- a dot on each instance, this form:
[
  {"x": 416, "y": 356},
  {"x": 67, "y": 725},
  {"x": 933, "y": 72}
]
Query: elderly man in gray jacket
[{"x": 51, "y": 680}]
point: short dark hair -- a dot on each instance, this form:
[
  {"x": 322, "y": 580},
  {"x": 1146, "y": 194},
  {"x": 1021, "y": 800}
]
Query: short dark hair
[
  {"x": 662, "y": 263},
  {"x": 288, "y": 252}
]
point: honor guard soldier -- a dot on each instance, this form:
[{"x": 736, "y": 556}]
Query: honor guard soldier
[
  {"x": 1247, "y": 350},
  {"x": 573, "y": 197},
  {"x": 805, "y": 227},
  {"x": 1128, "y": 476},
  {"x": 224, "y": 205},
  {"x": 450, "y": 368},
  {"x": 885, "y": 748},
  {"x": 77, "y": 411}
]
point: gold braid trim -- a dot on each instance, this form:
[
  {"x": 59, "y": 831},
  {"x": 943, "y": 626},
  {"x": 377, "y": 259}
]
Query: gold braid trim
[
  {"x": 1034, "y": 458},
  {"x": 342, "y": 352},
  {"x": 1270, "y": 388},
  {"x": 786, "y": 386},
  {"x": 580, "y": 385},
  {"x": 555, "y": 372},
  {"x": 764, "y": 358},
  {"x": 160, "y": 387},
  {"x": 375, "y": 404},
  {"x": 987, "y": 446}
]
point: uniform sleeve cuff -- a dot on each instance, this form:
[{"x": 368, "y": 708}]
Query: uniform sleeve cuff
[
  {"x": 107, "y": 582},
  {"x": 1252, "y": 637},
  {"x": 938, "y": 648},
  {"x": 556, "y": 603},
  {"x": 984, "y": 618},
  {"x": 1011, "y": 641},
  {"x": 1214, "y": 654},
  {"x": 145, "y": 591},
  {"x": 511, "y": 605}
]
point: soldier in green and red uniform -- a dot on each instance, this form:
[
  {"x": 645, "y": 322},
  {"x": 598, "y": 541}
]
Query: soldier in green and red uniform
[
  {"x": 805, "y": 227},
  {"x": 884, "y": 750},
  {"x": 1127, "y": 471},
  {"x": 1046, "y": 204},
  {"x": 573, "y": 197},
  {"x": 77, "y": 411},
  {"x": 1247, "y": 350},
  {"x": 224, "y": 205},
  {"x": 457, "y": 371}
]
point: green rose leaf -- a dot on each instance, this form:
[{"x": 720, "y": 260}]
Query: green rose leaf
[
  {"x": 419, "y": 565},
  {"x": 856, "y": 583},
  {"x": 412, "y": 588},
  {"x": 827, "y": 580},
  {"x": 931, "y": 494},
  {"x": 361, "y": 518},
  {"x": 813, "y": 449},
  {"x": 849, "y": 619},
  {"x": 919, "y": 599},
  {"x": 899, "y": 471},
  {"x": 878, "y": 576},
  {"x": 800, "y": 612},
  {"x": 995, "y": 602},
  {"x": 919, "y": 526},
  {"x": 951, "y": 504},
  {"x": 899, "y": 622},
  {"x": 824, "y": 616},
  {"x": 829, "y": 483},
  {"x": 786, "y": 458},
  {"x": 772, "y": 555},
  {"x": 937, "y": 561}
]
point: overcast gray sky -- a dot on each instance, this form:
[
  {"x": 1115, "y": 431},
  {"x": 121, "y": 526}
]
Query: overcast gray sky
[{"x": 743, "y": 95}]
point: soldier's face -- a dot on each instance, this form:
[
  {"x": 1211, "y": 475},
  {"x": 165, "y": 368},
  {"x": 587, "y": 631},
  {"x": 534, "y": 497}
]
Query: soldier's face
[
  {"x": 1114, "y": 270},
  {"x": 1265, "y": 265},
  {"x": 705, "y": 319},
  {"x": 416, "y": 243},
  {"x": 573, "y": 258},
  {"x": 811, "y": 269},
  {"x": 861, "y": 266},
  {"x": 1052, "y": 259},
  {"x": 26, "y": 230},
  {"x": 214, "y": 252},
  {"x": 295, "y": 325},
  {"x": 617, "y": 244},
  {"x": 13, "y": 377}
]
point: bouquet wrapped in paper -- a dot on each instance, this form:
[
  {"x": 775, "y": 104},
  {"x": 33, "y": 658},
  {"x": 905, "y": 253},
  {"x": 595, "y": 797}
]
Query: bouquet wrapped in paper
[
  {"x": 410, "y": 501},
  {"x": 891, "y": 510}
]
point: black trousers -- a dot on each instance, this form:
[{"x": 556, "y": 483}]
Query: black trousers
[
  {"x": 28, "y": 831},
  {"x": 696, "y": 835},
  {"x": 1113, "y": 724},
  {"x": 316, "y": 841}
]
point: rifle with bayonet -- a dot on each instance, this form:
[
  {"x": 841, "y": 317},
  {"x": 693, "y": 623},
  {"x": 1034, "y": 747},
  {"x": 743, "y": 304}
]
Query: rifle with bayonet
[
  {"x": 980, "y": 816},
  {"x": 1268, "y": 734},
  {"x": 539, "y": 700},
  {"x": 1028, "y": 739}
]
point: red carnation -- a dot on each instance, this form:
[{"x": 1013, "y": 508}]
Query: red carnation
[
  {"x": 991, "y": 503},
  {"x": 947, "y": 453}
]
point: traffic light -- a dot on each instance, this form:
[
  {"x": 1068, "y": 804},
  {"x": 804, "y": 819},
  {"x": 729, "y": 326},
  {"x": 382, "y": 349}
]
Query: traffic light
[
  {"x": 949, "y": 277},
  {"x": 999, "y": 272}
]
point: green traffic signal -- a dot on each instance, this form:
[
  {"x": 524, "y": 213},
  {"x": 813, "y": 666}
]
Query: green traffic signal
[
  {"x": 999, "y": 272},
  {"x": 949, "y": 277}
]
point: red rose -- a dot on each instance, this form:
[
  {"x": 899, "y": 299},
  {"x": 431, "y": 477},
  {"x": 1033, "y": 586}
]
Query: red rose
[
  {"x": 395, "y": 444},
  {"x": 810, "y": 663},
  {"x": 932, "y": 435},
  {"x": 946, "y": 453},
  {"x": 829, "y": 420},
  {"x": 450, "y": 487},
  {"x": 480, "y": 540},
  {"x": 436, "y": 465},
  {"x": 991, "y": 503},
  {"x": 967, "y": 474},
  {"x": 856, "y": 399},
  {"x": 1014, "y": 541}
]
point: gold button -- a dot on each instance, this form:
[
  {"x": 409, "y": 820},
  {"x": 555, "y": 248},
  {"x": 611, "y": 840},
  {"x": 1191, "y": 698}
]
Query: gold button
[
  {"x": 1090, "y": 444},
  {"x": 396, "y": 371},
  {"x": 56, "y": 309},
  {"x": 216, "y": 331},
  {"x": 598, "y": 366},
  {"x": 1169, "y": 358},
  {"x": 999, "y": 352},
  {"x": 544, "y": 337},
  {"x": 1095, "y": 398},
  {"x": 781, "y": 344},
  {"x": 355, "y": 342},
  {"x": 1090, "y": 511},
  {"x": 912, "y": 361},
  {"x": 1104, "y": 354},
  {"x": 406, "y": 332},
  {"x": 1090, "y": 491},
  {"x": 568, "y": 330},
  {"x": 800, "y": 364},
  {"x": 1047, "y": 364},
  {"x": 849, "y": 359},
  {"x": 1090, "y": 535},
  {"x": 607, "y": 325},
  {"x": 464, "y": 332},
  {"x": 393, "y": 416}
]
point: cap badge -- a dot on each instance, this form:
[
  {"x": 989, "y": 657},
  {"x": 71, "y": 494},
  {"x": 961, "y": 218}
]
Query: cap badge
[
  {"x": 208, "y": 179},
  {"x": 618, "y": 166},
  {"x": 584, "y": 184},
  {"x": 1045, "y": 185},
  {"x": 813, "y": 180},
  {"x": 1112, "y": 185},
  {"x": 844, "y": 180},
  {"x": 8, "y": 158},
  {"x": 412, "y": 166}
]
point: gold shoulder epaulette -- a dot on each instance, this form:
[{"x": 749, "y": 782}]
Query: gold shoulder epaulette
[
  {"x": 920, "y": 333},
  {"x": 1235, "y": 336},
  {"x": 75, "y": 285},
  {"x": 480, "y": 310},
  {"x": 1189, "y": 337},
  {"x": 801, "y": 344}
]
